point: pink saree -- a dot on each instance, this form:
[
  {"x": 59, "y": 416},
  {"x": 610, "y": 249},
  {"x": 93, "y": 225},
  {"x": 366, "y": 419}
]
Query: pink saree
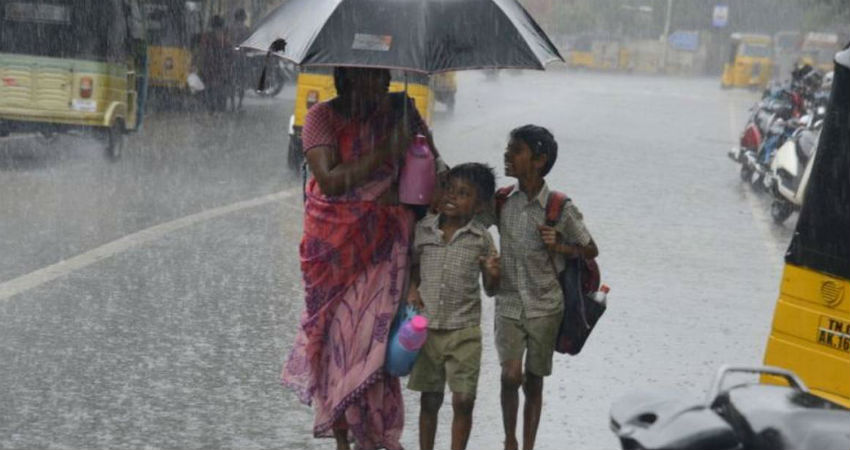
[{"x": 354, "y": 260}]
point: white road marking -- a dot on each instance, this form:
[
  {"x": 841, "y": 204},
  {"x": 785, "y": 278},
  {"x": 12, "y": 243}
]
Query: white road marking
[{"x": 44, "y": 275}]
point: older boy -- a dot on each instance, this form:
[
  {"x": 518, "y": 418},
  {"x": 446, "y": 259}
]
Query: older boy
[
  {"x": 529, "y": 306},
  {"x": 450, "y": 250}
]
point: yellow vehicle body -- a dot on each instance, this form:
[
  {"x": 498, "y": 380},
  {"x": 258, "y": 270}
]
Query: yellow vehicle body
[
  {"x": 86, "y": 79},
  {"x": 598, "y": 53},
  {"x": 317, "y": 85},
  {"x": 810, "y": 334},
  {"x": 583, "y": 59},
  {"x": 750, "y": 62},
  {"x": 173, "y": 29},
  {"x": 169, "y": 67},
  {"x": 818, "y": 49},
  {"x": 43, "y": 90},
  {"x": 811, "y": 331}
]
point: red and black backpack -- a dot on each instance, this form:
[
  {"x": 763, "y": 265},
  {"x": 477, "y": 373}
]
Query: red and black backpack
[{"x": 579, "y": 279}]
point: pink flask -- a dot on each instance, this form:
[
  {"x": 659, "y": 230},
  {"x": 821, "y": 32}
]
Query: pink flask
[{"x": 419, "y": 175}]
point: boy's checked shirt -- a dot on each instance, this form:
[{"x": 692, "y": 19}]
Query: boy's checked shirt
[
  {"x": 529, "y": 284},
  {"x": 449, "y": 272}
]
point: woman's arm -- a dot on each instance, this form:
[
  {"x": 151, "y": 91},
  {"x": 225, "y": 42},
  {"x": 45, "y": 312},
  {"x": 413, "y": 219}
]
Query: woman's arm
[{"x": 336, "y": 178}]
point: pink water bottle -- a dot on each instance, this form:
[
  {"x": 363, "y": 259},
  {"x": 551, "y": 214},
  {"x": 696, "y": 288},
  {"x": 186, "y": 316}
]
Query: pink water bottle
[
  {"x": 413, "y": 333},
  {"x": 419, "y": 175}
]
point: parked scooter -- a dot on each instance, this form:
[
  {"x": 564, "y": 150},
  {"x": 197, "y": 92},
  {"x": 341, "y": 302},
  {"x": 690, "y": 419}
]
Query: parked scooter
[
  {"x": 790, "y": 173},
  {"x": 747, "y": 416},
  {"x": 757, "y": 163},
  {"x": 782, "y": 104}
]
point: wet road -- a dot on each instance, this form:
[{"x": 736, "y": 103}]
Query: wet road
[{"x": 150, "y": 302}]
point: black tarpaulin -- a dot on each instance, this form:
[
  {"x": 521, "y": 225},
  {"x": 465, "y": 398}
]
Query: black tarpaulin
[{"x": 822, "y": 239}]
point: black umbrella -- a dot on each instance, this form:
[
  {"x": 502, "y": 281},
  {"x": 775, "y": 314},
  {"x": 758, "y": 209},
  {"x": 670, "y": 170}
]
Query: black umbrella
[{"x": 427, "y": 36}]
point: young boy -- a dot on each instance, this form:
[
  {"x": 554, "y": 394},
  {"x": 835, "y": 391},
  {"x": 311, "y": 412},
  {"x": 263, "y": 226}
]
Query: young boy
[
  {"x": 450, "y": 249},
  {"x": 529, "y": 305}
]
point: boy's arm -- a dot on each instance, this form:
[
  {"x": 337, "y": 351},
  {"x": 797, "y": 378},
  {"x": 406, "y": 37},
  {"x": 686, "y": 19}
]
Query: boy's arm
[
  {"x": 572, "y": 229},
  {"x": 413, "y": 297},
  {"x": 550, "y": 238},
  {"x": 490, "y": 269}
]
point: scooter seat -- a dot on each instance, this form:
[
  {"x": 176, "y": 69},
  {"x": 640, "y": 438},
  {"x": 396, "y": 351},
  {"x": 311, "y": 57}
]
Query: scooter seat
[{"x": 769, "y": 417}]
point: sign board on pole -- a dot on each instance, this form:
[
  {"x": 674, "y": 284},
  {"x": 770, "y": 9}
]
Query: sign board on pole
[
  {"x": 684, "y": 40},
  {"x": 720, "y": 17}
]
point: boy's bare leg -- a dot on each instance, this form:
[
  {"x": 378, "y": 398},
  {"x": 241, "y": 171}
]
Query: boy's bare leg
[
  {"x": 341, "y": 436},
  {"x": 462, "y": 404},
  {"x": 429, "y": 407},
  {"x": 533, "y": 390},
  {"x": 511, "y": 381}
]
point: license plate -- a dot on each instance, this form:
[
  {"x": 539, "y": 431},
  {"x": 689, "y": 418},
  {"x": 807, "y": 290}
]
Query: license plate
[
  {"x": 834, "y": 333},
  {"x": 84, "y": 105}
]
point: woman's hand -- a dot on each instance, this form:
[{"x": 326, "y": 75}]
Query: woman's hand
[{"x": 336, "y": 178}]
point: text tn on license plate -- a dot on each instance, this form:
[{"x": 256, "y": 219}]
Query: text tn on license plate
[{"x": 834, "y": 333}]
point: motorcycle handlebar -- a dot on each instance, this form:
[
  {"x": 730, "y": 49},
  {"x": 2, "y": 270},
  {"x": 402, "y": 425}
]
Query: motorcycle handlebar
[{"x": 717, "y": 384}]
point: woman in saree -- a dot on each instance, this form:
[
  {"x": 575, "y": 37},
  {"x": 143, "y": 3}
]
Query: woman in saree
[{"x": 354, "y": 260}]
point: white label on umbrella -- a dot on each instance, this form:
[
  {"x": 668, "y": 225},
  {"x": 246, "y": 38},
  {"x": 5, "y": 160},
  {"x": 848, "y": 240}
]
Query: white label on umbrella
[{"x": 372, "y": 42}]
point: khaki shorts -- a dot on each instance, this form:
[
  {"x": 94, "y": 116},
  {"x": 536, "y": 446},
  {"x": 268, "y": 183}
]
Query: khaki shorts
[
  {"x": 452, "y": 356},
  {"x": 533, "y": 337}
]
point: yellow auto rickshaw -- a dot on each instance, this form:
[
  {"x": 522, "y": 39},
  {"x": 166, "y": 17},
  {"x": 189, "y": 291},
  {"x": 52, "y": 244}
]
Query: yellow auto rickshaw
[
  {"x": 598, "y": 53},
  {"x": 172, "y": 31},
  {"x": 72, "y": 65},
  {"x": 811, "y": 324},
  {"x": 316, "y": 84},
  {"x": 818, "y": 49},
  {"x": 750, "y": 62}
]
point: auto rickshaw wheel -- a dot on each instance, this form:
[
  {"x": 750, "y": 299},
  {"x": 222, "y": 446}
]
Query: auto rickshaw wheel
[{"x": 115, "y": 140}]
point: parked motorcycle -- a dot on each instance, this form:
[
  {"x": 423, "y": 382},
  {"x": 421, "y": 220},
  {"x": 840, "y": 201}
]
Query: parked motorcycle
[
  {"x": 782, "y": 104},
  {"x": 790, "y": 173},
  {"x": 744, "y": 416},
  {"x": 756, "y": 163}
]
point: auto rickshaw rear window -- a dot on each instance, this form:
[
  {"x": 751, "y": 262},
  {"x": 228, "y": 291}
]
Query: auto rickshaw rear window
[
  {"x": 85, "y": 29},
  {"x": 755, "y": 51}
]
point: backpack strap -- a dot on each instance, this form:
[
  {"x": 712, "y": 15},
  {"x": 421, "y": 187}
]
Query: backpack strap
[
  {"x": 555, "y": 203},
  {"x": 501, "y": 197}
]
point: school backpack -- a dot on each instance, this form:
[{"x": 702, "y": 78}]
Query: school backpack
[{"x": 579, "y": 280}]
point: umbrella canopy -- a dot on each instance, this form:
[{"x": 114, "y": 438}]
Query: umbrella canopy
[{"x": 427, "y": 36}]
